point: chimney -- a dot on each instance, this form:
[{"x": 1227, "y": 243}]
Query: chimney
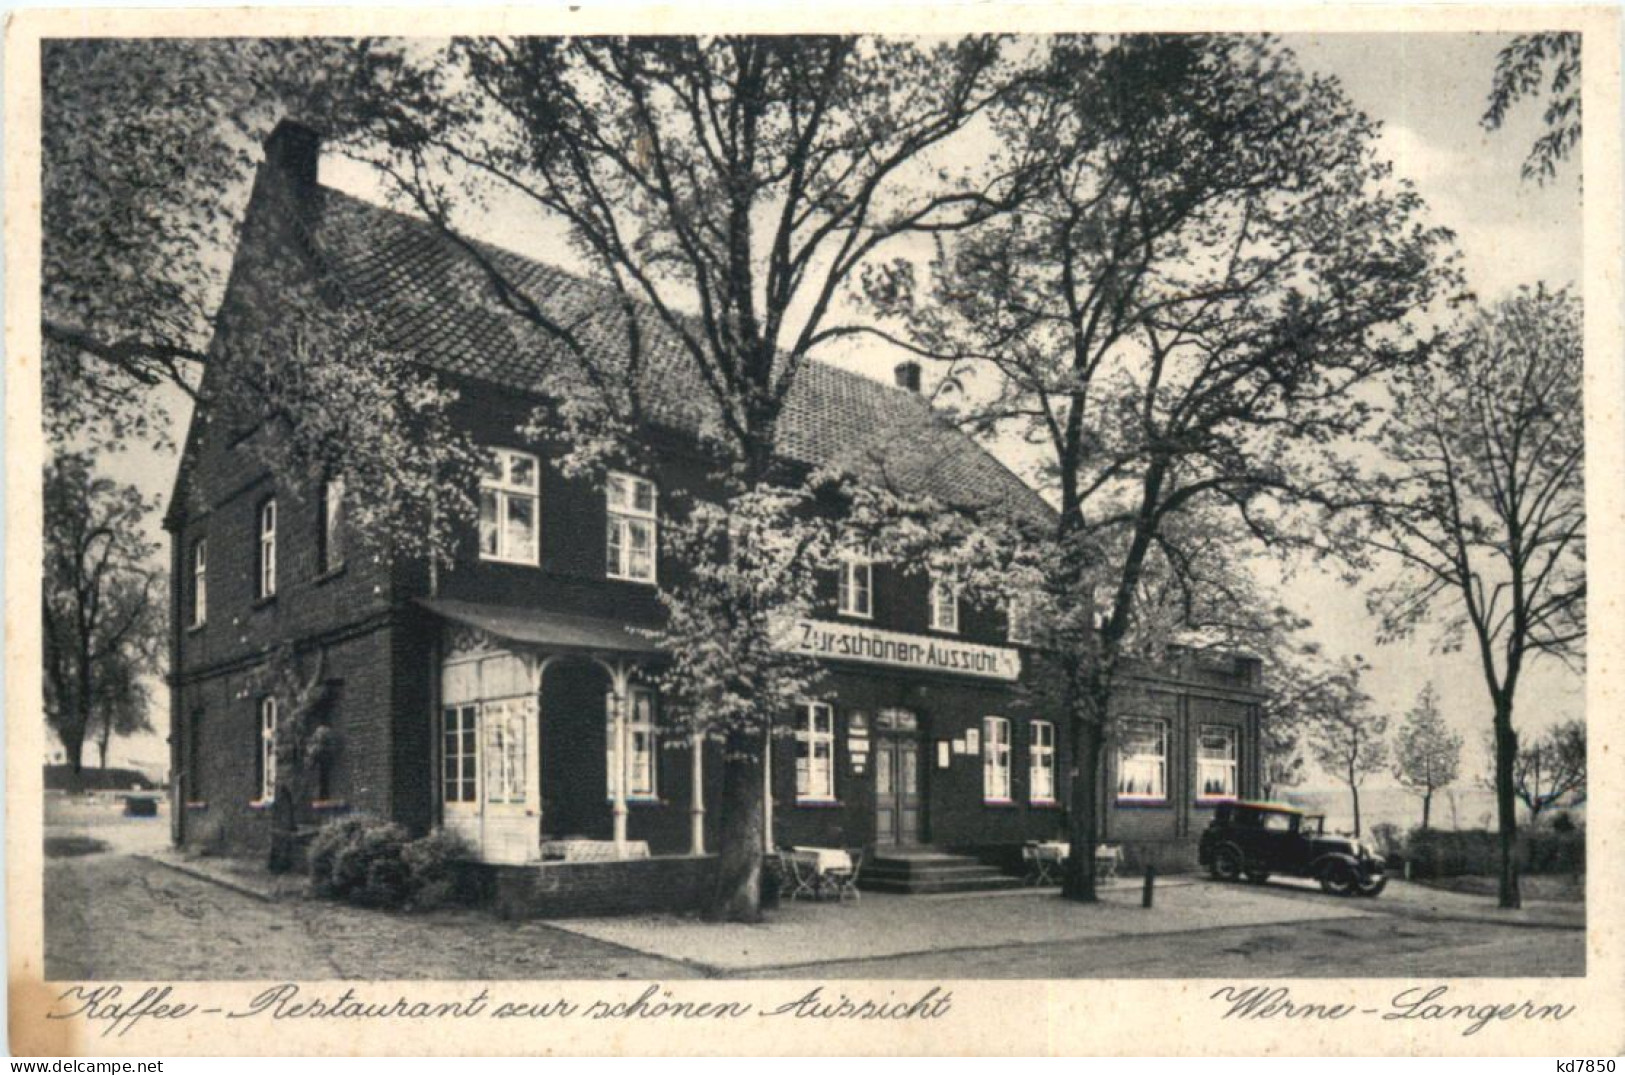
[
  {"x": 292, "y": 150},
  {"x": 908, "y": 375}
]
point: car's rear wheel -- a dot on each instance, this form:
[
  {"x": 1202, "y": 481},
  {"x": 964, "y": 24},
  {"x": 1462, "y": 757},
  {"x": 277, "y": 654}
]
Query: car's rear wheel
[
  {"x": 1258, "y": 877},
  {"x": 1338, "y": 879},
  {"x": 1227, "y": 864}
]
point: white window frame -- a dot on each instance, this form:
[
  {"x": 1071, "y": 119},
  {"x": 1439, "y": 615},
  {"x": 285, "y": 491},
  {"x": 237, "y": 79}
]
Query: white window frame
[
  {"x": 505, "y": 723},
  {"x": 505, "y": 492},
  {"x": 459, "y": 753},
  {"x": 643, "y": 783},
  {"x": 944, "y": 613},
  {"x": 996, "y": 760},
  {"x": 268, "y": 721},
  {"x": 624, "y": 519},
  {"x": 333, "y": 523},
  {"x": 815, "y": 767},
  {"x": 1228, "y": 768},
  {"x": 200, "y": 582},
  {"x": 1041, "y": 762},
  {"x": 1156, "y": 791},
  {"x": 267, "y": 548},
  {"x": 851, "y": 597}
]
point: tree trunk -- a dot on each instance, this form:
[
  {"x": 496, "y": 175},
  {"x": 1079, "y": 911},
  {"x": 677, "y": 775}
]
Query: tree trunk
[
  {"x": 1354, "y": 790},
  {"x": 737, "y": 896},
  {"x": 1088, "y": 743},
  {"x": 101, "y": 748},
  {"x": 1506, "y": 803},
  {"x": 73, "y": 741},
  {"x": 1427, "y": 807}
]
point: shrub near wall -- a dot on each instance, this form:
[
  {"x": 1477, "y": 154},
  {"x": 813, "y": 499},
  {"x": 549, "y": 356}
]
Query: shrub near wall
[
  {"x": 1442, "y": 853},
  {"x": 374, "y": 863}
]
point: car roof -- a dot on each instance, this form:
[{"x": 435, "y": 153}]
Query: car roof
[{"x": 1285, "y": 808}]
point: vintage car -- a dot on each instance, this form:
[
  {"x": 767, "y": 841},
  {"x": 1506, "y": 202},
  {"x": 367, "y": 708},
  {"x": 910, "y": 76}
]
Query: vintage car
[{"x": 1255, "y": 840}]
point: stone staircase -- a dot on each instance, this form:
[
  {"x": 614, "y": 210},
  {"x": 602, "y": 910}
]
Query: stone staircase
[{"x": 925, "y": 869}]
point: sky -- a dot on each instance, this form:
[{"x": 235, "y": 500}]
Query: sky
[{"x": 1428, "y": 92}]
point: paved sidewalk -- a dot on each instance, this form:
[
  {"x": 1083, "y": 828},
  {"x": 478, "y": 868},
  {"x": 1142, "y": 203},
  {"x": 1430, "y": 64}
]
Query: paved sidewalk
[
  {"x": 1422, "y": 902},
  {"x": 888, "y": 925},
  {"x": 249, "y": 877}
]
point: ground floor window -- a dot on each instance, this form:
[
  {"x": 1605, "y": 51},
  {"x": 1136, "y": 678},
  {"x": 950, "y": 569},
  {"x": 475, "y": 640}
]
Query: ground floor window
[
  {"x": 995, "y": 760},
  {"x": 267, "y": 749},
  {"x": 1216, "y": 762},
  {"x": 459, "y": 755},
  {"x": 640, "y": 735},
  {"x": 1142, "y": 761},
  {"x": 1041, "y": 762},
  {"x": 815, "y": 753}
]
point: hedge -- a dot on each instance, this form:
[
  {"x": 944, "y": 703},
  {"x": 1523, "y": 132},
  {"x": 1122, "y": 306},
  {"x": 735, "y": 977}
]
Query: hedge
[{"x": 1446, "y": 853}]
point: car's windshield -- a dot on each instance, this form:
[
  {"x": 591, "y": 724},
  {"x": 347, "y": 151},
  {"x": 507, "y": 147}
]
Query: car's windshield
[{"x": 1314, "y": 823}]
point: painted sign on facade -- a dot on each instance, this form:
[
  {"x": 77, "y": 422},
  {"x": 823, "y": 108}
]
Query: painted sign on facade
[{"x": 849, "y": 642}]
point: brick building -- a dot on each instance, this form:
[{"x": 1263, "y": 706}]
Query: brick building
[{"x": 512, "y": 700}]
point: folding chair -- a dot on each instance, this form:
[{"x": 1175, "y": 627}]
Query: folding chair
[
  {"x": 1042, "y": 869},
  {"x": 800, "y": 879},
  {"x": 845, "y": 882}
]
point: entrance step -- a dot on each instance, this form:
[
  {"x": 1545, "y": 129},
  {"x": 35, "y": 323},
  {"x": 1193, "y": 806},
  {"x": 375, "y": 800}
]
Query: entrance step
[{"x": 921, "y": 870}]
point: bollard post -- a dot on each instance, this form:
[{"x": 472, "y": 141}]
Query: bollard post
[{"x": 1150, "y": 885}]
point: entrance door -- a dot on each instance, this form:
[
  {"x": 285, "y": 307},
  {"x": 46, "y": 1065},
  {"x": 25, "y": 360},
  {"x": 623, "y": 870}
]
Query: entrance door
[
  {"x": 488, "y": 732},
  {"x": 898, "y": 804}
]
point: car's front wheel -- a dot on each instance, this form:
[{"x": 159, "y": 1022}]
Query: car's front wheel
[
  {"x": 1373, "y": 886},
  {"x": 1338, "y": 879},
  {"x": 1227, "y": 864}
]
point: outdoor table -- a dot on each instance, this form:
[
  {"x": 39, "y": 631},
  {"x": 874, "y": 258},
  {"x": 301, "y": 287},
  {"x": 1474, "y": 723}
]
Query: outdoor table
[{"x": 824, "y": 860}]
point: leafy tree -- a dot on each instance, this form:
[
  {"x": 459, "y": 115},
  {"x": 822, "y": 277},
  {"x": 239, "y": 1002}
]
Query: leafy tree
[
  {"x": 1520, "y": 71},
  {"x": 725, "y": 189},
  {"x": 1551, "y": 771},
  {"x": 1481, "y": 506},
  {"x": 1348, "y": 739},
  {"x": 136, "y": 242},
  {"x": 102, "y": 601},
  {"x": 1427, "y": 752},
  {"x": 1208, "y": 266}
]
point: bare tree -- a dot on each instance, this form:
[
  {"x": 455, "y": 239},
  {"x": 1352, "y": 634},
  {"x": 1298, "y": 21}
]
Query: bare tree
[
  {"x": 1427, "y": 752},
  {"x": 1551, "y": 771},
  {"x": 1481, "y": 508},
  {"x": 1349, "y": 736}
]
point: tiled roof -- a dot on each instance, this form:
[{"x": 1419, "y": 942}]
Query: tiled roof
[{"x": 436, "y": 305}]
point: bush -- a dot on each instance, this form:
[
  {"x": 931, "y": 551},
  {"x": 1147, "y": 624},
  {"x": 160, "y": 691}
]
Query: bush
[
  {"x": 432, "y": 863},
  {"x": 374, "y": 863},
  {"x": 1441, "y": 853}
]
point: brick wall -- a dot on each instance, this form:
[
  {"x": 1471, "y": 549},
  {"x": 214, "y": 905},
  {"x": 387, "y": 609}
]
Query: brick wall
[{"x": 575, "y": 889}]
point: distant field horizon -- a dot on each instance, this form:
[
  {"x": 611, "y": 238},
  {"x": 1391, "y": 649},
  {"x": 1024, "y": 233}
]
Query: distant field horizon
[{"x": 1454, "y": 808}]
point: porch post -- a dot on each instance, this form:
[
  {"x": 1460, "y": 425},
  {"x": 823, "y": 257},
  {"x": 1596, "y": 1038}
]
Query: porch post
[
  {"x": 767, "y": 788},
  {"x": 619, "y": 778},
  {"x": 696, "y": 811}
]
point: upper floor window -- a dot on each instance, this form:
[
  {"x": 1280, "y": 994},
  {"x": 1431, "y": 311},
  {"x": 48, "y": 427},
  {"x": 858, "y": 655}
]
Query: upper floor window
[
  {"x": 855, "y": 594},
  {"x": 944, "y": 604},
  {"x": 815, "y": 752},
  {"x": 1216, "y": 762},
  {"x": 267, "y": 749},
  {"x": 1142, "y": 761},
  {"x": 995, "y": 760},
  {"x": 333, "y": 523},
  {"x": 510, "y": 493},
  {"x": 630, "y": 550},
  {"x": 266, "y": 585},
  {"x": 640, "y": 738},
  {"x": 1041, "y": 763},
  {"x": 200, "y": 582}
]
